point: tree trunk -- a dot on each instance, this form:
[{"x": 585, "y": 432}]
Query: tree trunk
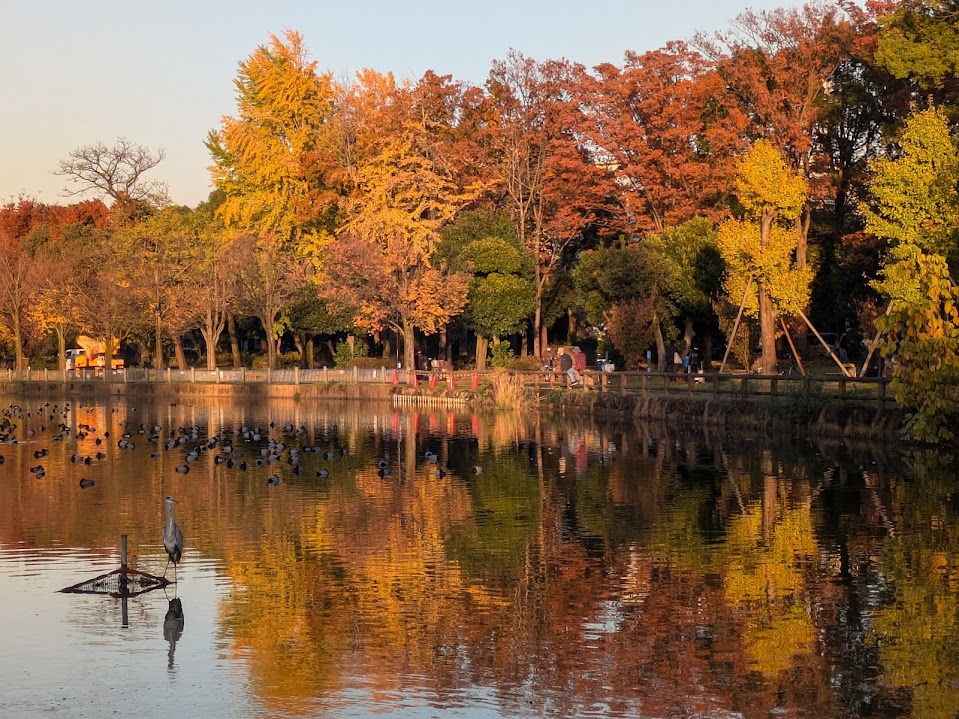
[
  {"x": 61, "y": 346},
  {"x": 234, "y": 342},
  {"x": 108, "y": 351},
  {"x": 688, "y": 334},
  {"x": 482, "y": 345},
  {"x": 144, "y": 353},
  {"x": 158, "y": 343},
  {"x": 538, "y": 317},
  {"x": 767, "y": 315},
  {"x": 767, "y": 330},
  {"x": 211, "y": 330},
  {"x": 408, "y": 344},
  {"x": 267, "y": 319},
  {"x": 180, "y": 354},
  {"x": 21, "y": 359},
  {"x": 660, "y": 345},
  {"x": 300, "y": 342}
]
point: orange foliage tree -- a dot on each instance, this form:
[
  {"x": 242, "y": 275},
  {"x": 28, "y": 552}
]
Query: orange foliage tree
[
  {"x": 396, "y": 147},
  {"x": 662, "y": 127},
  {"x": 554, "y": 188}
]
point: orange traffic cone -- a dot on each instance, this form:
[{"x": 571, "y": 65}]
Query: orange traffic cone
[{"x": 432, "y": 380}]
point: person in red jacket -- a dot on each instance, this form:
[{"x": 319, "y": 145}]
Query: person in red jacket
[{"x": 579, "y": 359}]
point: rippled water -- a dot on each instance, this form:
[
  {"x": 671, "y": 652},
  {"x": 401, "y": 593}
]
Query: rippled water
[{"x": 550, "y": 570}]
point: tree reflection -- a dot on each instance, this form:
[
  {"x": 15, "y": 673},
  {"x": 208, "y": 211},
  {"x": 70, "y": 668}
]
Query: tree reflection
[{"x": 647, "y": 569}]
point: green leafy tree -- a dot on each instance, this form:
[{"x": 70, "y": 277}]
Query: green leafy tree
[
  {"x": 621, "y": 288},
  {"x": 914, "y": 208},
  {"x": 913, "y": 197},
  {"x": 919, "y": 42},
  {"x": 692, "y": 265},
  {"x": 501, "y": 294},
  {"x": 921, "y": 331}
]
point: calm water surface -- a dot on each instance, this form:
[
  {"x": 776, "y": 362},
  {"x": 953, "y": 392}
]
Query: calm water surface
[{"x": 550, "y": 570}]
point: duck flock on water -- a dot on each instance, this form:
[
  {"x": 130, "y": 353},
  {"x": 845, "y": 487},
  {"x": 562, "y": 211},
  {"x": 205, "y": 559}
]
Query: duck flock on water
[{"x": 50, "y": 421}]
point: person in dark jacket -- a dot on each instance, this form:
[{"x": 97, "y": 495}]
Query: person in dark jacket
[{"x": 566, "y": 365}]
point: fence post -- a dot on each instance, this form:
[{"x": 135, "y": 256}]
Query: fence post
[
  {"x": 774, "y": 388},
  {"x": 243, "y": 375},
  {"x": 666, "y": 380},
  {"x": 623, "y": 384},
  {"x": 689, "y": 384},
  {"x": 169, "y": 375},
  {"x": 842, "y": 390},
  {"x": 219, "y": 374},
  {"x": 745, "y": 386},
  {"x": 881, "y": 393},
  {"x": 193, "y": 375},
  {"x": 603, "y": 383},
  {"x": 124, "y": 375},
  {"x": 644, "y": 385},
  {"x": 356, "y": 374},
  {"x": 326, "y": 373},
  {"x": 296, "y": 375},
  {"x": 714, "y": 380},
  {"x": 269, "y": 375}
]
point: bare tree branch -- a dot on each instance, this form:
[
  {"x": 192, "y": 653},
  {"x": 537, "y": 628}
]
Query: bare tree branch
[{"x": 115, "y": 171}]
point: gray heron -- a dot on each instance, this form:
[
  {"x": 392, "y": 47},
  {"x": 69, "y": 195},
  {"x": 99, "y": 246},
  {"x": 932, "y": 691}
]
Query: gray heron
[{"x": 172, "y": 538}]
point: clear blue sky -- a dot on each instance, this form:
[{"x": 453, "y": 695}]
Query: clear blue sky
[{"x": 76, "y": 72}]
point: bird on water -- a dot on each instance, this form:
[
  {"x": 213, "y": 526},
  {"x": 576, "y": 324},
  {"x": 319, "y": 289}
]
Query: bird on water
[{"x": 172, "y": 538}]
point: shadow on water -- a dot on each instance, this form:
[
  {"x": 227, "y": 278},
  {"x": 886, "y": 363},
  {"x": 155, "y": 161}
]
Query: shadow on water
[{"x": 524, "y": 566}]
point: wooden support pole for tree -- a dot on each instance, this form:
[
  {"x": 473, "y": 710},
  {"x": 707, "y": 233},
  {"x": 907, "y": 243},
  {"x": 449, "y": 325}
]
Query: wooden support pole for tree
[
  {"x": 824, "y": 344},
  {"x": 739, "y": 316},
  {"x": 789, "y": 339}
]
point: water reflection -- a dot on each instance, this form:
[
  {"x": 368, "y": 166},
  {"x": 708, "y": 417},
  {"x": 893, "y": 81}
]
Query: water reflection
[
  {"x": 588, "y": 569},
  {"x": 173, "y": 627}
]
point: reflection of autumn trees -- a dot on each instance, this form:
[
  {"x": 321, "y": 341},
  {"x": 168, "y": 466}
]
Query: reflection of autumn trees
[
  {"x": 917, "y": 633},
  {"x": 660, "y": 574}
]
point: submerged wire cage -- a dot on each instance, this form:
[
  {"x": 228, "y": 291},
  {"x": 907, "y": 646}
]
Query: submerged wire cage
[{"x": 122, "y": 582}]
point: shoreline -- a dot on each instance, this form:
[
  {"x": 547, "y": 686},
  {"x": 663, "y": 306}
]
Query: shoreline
[{"x": 793, "y": 415}]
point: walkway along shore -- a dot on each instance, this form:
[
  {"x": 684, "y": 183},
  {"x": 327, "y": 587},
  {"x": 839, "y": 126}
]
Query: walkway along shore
[{"x": 832, "y": 405}]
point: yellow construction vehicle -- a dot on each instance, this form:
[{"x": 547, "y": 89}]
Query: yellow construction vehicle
[{"x": 92, "y": 355}]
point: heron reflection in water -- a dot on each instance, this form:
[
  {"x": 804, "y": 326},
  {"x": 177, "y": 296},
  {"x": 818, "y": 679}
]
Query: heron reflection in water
[
  {"x": 173, "y": 627},
  {"x": 172, "y": 538}
]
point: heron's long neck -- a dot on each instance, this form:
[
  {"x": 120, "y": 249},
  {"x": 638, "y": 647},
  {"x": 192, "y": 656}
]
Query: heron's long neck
[{"x": 169, "y": 516}]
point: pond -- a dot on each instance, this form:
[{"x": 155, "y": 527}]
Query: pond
[{"x": 433, "y": 564}]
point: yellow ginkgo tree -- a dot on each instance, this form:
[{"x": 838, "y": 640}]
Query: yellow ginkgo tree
[
  {"x": 914, "y": 204},
  {"x": 759, "y": 247},
  {"x": 403, "y": 190}
]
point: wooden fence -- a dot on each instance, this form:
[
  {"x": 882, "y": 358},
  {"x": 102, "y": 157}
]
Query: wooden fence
[{"x": 835, "y": 387}]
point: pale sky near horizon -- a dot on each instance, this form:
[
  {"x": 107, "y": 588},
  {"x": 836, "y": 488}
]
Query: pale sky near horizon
[{"x": 77, "y": 72}]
